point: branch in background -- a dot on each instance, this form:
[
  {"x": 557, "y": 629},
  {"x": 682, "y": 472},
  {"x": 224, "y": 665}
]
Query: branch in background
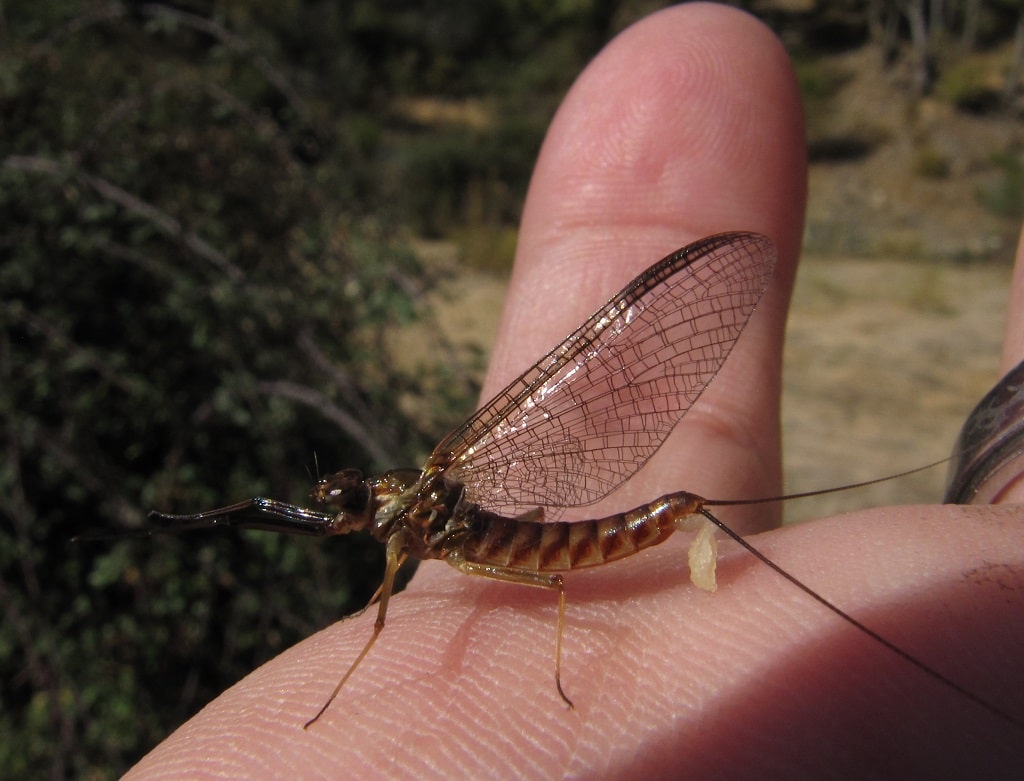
[
  {"x": 93, "y": 359},
  {"x": 237, "y": 44},
  {"x": 338, "y": 376},
  {"x": 347, "y": 422},
  {"x": 162, "y": 220}
]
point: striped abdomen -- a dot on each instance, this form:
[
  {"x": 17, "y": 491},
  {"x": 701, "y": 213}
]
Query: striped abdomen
[{"x": 563, "y": 545}]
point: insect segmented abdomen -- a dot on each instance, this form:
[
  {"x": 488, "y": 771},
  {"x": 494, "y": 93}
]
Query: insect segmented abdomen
[{"x": 566, "y": 545}]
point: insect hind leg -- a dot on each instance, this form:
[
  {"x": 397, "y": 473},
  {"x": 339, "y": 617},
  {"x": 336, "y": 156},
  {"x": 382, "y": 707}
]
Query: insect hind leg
[{"x": 552, "y": 582}]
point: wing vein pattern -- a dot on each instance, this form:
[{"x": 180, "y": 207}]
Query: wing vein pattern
[{"x": 591, "y": 412}]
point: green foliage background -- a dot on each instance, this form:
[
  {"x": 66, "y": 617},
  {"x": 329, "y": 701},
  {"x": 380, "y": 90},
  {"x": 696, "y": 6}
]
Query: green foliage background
[
  {"x": 204, "y": 215},
  {"x": 204, "y": 210}
]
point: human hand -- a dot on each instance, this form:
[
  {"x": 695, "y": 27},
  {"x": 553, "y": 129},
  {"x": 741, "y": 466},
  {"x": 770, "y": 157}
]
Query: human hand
[{"x": 686, "y": 125}]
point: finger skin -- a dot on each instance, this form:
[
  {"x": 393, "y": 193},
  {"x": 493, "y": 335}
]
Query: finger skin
[{"x": 688, "y": 124}]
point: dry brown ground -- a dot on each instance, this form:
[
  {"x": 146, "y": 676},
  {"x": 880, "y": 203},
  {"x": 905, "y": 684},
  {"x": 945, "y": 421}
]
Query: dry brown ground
[{"x": 884, "y": 360}]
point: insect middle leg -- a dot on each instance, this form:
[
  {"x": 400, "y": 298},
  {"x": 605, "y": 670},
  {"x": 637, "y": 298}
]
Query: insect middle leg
[{"x": 552, "y": 582}]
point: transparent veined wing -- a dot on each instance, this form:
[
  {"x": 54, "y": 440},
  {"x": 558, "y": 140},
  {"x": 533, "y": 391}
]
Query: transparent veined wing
[{"x": 591, "y": 412}]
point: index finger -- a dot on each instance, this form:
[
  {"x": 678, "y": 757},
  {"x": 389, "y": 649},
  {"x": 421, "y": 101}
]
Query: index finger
[{"x": 666, "y": 138}]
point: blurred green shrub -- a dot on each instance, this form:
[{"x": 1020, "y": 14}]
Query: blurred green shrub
[{"x": 202, "y": 258}]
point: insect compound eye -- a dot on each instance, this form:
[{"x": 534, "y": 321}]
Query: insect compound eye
[{"x": 345, "y": 491}]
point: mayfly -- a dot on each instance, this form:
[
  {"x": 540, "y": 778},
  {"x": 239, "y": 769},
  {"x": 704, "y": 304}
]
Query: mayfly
[{"x": 566, "y": 433}]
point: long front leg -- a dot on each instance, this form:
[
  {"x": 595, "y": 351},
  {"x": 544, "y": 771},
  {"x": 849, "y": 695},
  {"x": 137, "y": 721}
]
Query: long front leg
[
  {"x": 548, "y": 581},
  {"x": 395, "y": 556}
]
